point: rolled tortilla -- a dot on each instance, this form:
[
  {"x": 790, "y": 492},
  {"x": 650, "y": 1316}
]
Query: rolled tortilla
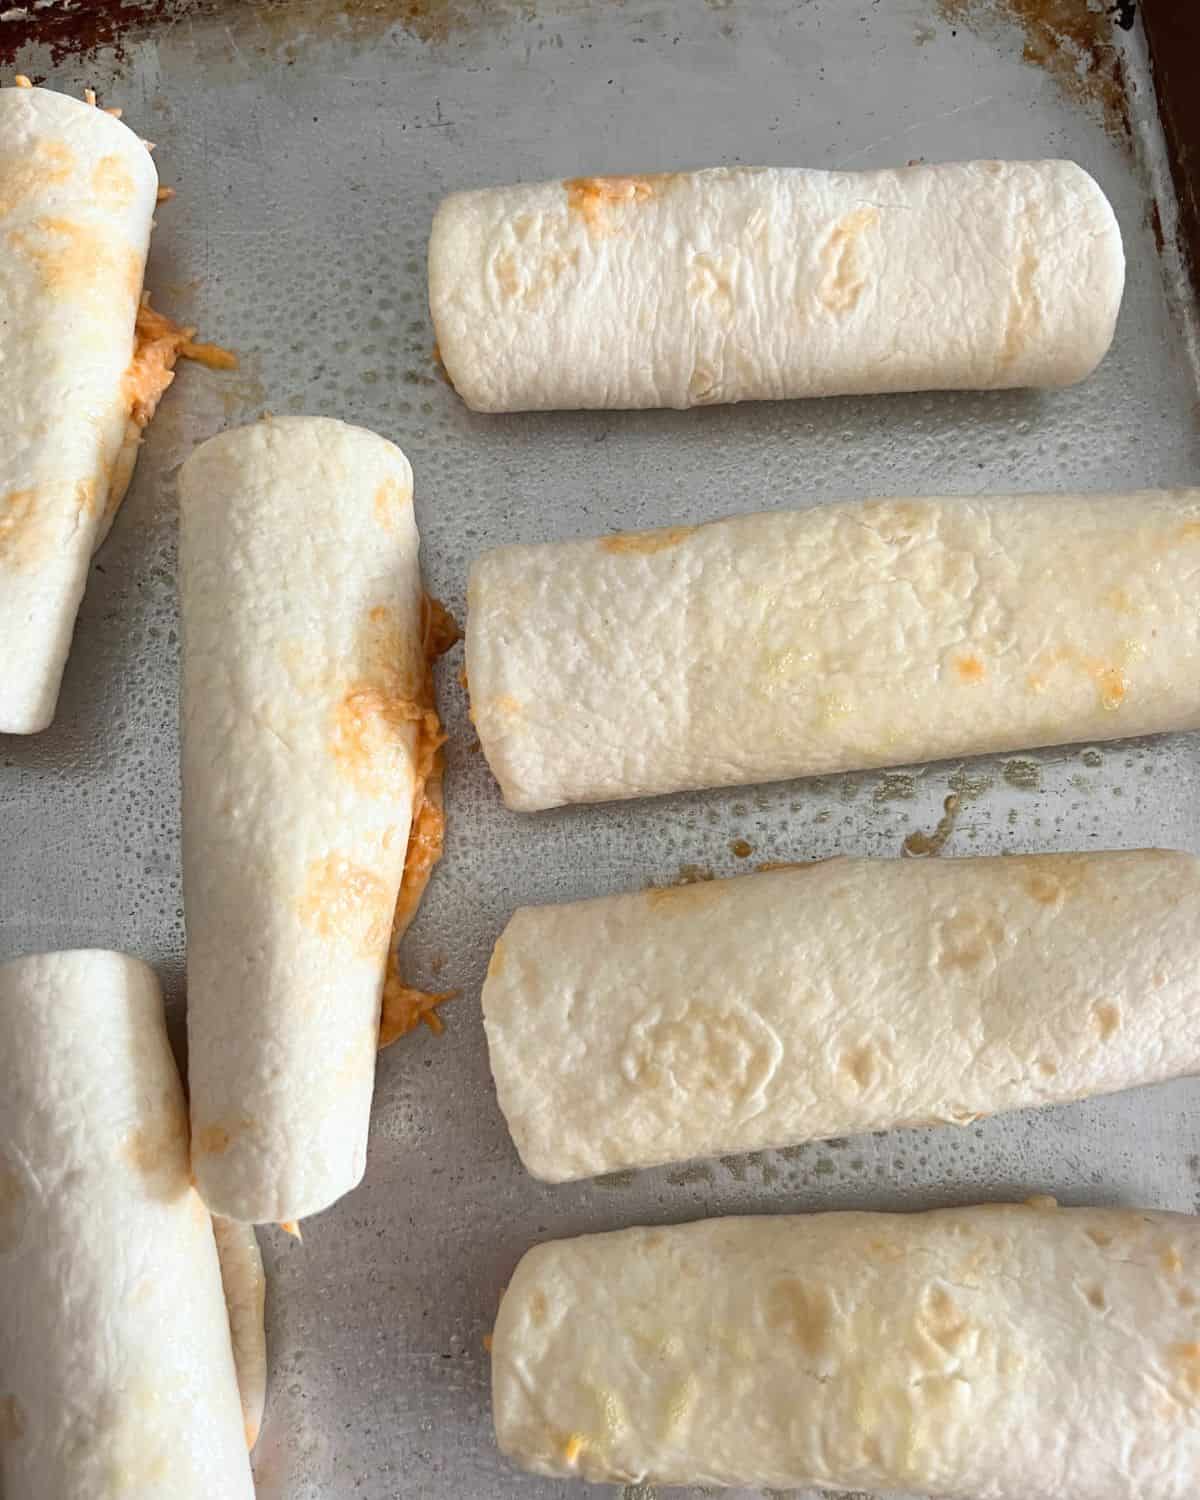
[
  {"x": 833, "y": 639},
  {"x": 1012, "y": 1352},
  {"x": 77, "y": 195},
  {"x": 834, "y": 998},
  {"x": 753, "y": 283},
  {"x": 308, "y": 736},
  {"x": 116, "y": 1372},
  {"x": 245, "y": 1285}
]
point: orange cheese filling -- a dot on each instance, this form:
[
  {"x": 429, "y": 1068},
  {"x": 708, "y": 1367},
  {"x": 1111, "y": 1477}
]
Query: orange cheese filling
[
  {"x": 159, "y": 343},
  {"x": 404, "y": 1008}
]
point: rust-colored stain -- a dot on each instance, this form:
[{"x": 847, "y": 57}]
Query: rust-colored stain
[
  {"x": 1069, "y": 39},
  {"x": 1173, "y": 31},
  {"x": 82, "y": 30}
]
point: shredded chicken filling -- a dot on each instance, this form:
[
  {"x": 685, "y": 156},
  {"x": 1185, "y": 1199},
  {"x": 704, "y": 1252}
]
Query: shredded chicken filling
[{"x": 404, "y": 1008}]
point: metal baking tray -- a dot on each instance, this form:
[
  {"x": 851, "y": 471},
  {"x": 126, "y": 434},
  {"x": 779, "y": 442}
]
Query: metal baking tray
[{"x": 309, "y": 143}]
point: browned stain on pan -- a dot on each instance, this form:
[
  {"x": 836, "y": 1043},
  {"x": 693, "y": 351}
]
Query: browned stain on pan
[
  {"x": 927, "y": 845},
  {"x": 1070, "y": 40},
  {"x": 79, "y": 30},
  {"x": 1173, "y": 30},
  {"x": 287, "y": 22},
  {"x": 83, "y": 29}
]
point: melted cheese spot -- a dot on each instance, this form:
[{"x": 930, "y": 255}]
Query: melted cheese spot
[
  {"x": 392, "y": 502},
  {"x": 404, "y": 1008},
  {"x": 49, "y": 163},
  {"x": 592, "y": 199},
  {"x": 346, "y": 903},
  {"x": 806, "y": 1314},
  {"x": 845, "y": 274},
  {"x": 970, "y": 668},
  {"x": 18, "y": 523},
  {"x": 1108, "y": 1019},
  {"x": 646, "y": 542},
  {"x": 113, "y": 182},
  {"x": 158, "y": 343},
  {"x": 1111, "y": 681},
  {"x": 1185, "y": 1360},
  {"x": 77, "y": 262}
]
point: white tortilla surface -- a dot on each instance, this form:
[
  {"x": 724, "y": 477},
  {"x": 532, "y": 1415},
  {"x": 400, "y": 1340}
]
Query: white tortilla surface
[
  {"x": 749, "y": 283},
  {"x": 245, "y": 1284},
  {"x": 303, "y": 661},
  {"x": 836, "y": 998},
  {"x": 77, "y": 195},
  {"x": 117, "y": 1377},
  {"x": 1002, "y": 1352},
  {"x": 837, "y": 638}
]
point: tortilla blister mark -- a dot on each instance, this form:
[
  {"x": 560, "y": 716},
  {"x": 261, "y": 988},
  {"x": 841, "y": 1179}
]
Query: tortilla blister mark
[
  {"x": 837, "y": 998},
  {"x": 682, "y": 1355}
]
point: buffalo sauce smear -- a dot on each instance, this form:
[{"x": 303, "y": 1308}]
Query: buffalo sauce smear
[
  {"x": 158, "y": 344},
  {"x": 404, "y": 1008}
]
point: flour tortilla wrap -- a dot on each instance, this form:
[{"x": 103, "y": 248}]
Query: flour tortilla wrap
[
  {"x": 753, "y": 283},
  {"x": 117, "y": 1378},
  {"x": 835, "y": 998},
  {"x": 1017, "y": 1353},
  {"x": 306, "y": 742},
  {"x": 245, "y": 1285},
  {"x": 77, "y": 193},
  {"x": 833, "y": 639}
]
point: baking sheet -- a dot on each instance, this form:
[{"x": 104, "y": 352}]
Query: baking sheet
[{"x": 309, "y": 143}]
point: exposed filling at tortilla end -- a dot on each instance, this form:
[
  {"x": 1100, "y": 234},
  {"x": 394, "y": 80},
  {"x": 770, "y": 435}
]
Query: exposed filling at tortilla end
[
  {"x": 158, "y": 344},
  {"x": 404, "y": 1008}
]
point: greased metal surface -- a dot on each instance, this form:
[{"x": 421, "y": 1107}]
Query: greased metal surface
[{"x": 309, "y": 144}]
